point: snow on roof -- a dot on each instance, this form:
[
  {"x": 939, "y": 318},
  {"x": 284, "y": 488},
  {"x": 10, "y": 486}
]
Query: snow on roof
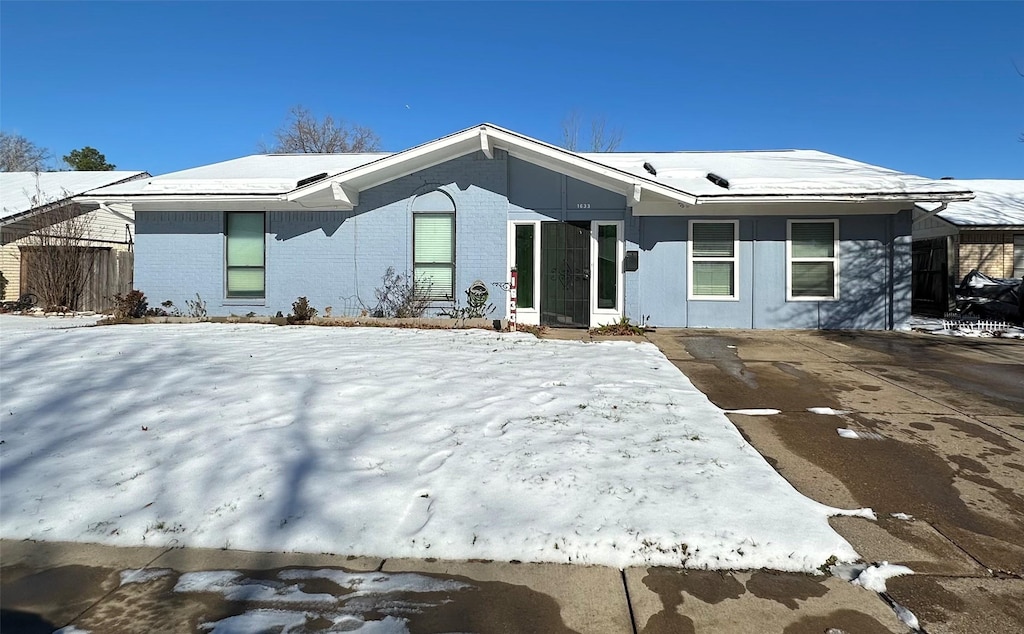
[
  {"x": 996, "y": 203},
  {"x": 22, "y": 191},
  {"x": 256, "y": 174},
  {"x": 770, "y": 173},
  {"x": 697, "y": 175}
]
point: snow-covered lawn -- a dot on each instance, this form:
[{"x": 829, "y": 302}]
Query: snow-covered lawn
[{"x": 386, "y": 442}]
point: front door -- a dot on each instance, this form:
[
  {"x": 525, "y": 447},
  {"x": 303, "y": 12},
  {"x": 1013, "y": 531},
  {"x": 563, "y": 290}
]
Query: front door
[{"x": 565, "y": 274}]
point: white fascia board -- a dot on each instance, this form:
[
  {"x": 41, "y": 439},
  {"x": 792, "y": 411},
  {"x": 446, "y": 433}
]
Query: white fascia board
[
  {"x": 772, "y": 208},
  {"x": 189, "y": 202},
  {"x": 582, "y": 169},
  {"x": 485, "y": 144},
  {"x": 105, "y": 200},
  {"x": 852, "y": 198},
  {"x": 484, "y": 138},
  {"x": 398, "y": 165}
]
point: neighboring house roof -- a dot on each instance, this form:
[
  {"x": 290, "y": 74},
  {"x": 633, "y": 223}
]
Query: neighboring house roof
[
  {"x": 688, "y": 178},
  {"x": 24, "y": 192},
  {"x": 997, "y": 203}
]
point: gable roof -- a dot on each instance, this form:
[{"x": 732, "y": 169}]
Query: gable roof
[
  {"x": 23, "y": 192},
  {"x": 997, "y": 203},
  {"x": 688, "y": 178}
]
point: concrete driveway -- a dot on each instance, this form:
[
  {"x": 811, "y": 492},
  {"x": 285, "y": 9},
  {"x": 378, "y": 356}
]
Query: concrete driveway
[{"x": 941, "y": 439}]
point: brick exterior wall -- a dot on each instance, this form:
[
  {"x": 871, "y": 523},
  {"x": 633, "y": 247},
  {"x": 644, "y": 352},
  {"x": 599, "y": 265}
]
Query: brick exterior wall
[
  {"x": 991, "y": 252},
  {"x": 334, "y": 258}
]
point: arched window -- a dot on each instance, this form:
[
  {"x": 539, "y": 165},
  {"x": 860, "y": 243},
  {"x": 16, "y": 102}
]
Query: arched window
[{"x": 433, "y": 239}]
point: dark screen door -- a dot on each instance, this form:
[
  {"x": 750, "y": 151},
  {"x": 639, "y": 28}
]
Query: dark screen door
[{"x": 565, "y": 274}]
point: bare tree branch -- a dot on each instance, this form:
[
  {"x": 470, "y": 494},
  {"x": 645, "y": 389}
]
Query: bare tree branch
[
  {"x": 602, "y": 137},
  {"x": 303, "y": 133},
  {"x": 571, "y": 130},
  {"x": 18, "y": 154},
  {"x": 59, "y": 257},
  {"x": 1020, "y": 72}
]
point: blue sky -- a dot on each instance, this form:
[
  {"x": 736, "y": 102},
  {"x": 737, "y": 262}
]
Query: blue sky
[{"x": 928, "y": 88}]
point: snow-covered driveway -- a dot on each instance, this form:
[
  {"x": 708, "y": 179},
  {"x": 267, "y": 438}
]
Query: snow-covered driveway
[{"x": 386, "y": 442}]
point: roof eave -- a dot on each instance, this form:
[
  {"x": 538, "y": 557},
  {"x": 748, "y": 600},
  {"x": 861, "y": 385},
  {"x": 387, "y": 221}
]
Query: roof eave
[
  {"x": 851, "y": 197},
  {"x": 132, "y": 198}
]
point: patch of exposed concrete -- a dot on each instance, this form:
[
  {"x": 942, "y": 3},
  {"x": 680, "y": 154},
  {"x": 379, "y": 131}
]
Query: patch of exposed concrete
[
  {"x": 962, "y": 606},
  {"x": 806, "y": 476},
  {"x": 670, "y": 601},
  {"x": 55, "y": 595},
  {"x": 912, "y": 543},
  {"x": 190, "y": 559},
  {"x": 530, "y": 597}
]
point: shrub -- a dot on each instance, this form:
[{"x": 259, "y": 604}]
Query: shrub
[
  {"x": 169, "y": 309},
  {"x": 397, "y": 297},
  {"x": 131, "y": 305},
  {"x": 197, "y": 307},
  {"x": 476, "y": 306},
  {"x": 622, "y": 328},
  {"x": 302, "y": 312}
]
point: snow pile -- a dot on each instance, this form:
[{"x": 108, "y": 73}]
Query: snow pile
[
  {"x": 827, "y": 411},
  {"x": 389, "y": 443},
  {"x": 870, "y": 576},
  {"x": 909, "y": 618},
  {"x": 873, "y": 577},
  {"x": 936, "y": 326},
  {"x": 846, "y": 432},
  {"x": 753, "y": 412}
]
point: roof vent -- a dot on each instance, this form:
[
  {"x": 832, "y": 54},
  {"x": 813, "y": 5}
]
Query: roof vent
[
  {"x": 718, "y": 180},
  {"x": 311, "y": 179},
  {"x": 650, "y": 169}
]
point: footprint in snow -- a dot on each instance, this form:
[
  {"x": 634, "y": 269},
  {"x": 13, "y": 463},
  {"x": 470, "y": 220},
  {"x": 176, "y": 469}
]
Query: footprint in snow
[
  {"x": 495, "y": 429},
  {"x": 417, "y": 514},
  {"x": 553, "y": 384},
  {"x": 541, "y": 398},
  {"x": 433, "y": 462}
]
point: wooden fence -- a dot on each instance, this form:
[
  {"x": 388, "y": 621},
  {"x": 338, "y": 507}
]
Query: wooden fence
[{"x": 110, "y": 272}]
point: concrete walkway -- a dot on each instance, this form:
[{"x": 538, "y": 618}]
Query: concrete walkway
[
  {"x": 942, "y": 433},
  {"x": 48, "y": 585}
]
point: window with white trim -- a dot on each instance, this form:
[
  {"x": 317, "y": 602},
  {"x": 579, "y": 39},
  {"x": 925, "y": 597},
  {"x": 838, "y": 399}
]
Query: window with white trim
[
  {"x": 713, "y": 259},
  {"x": 812, "y": 260},
  {"x": 245, "y": 254},
  {"x": 434, "y": 255},
  {"x": 607, "y": 265}
]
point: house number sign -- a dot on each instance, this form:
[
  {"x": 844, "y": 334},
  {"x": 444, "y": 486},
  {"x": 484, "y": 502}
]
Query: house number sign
[{"x": 582, "y": 205}]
